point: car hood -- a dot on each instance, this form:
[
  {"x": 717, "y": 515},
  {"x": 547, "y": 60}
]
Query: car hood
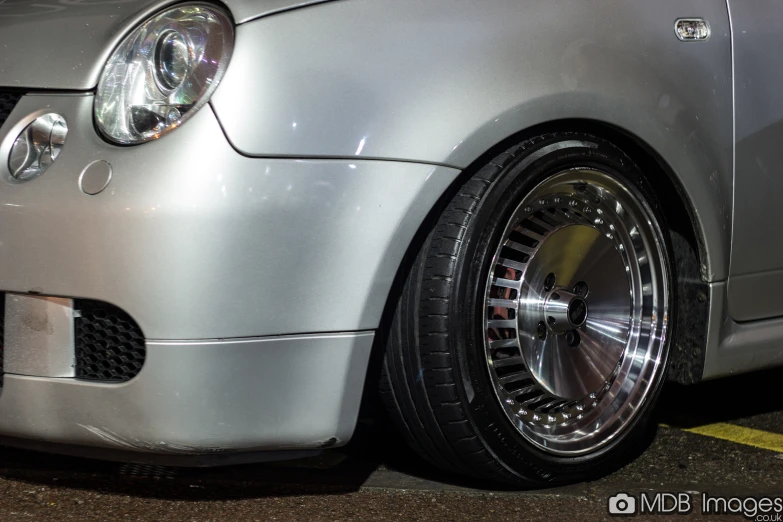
[{"x": 63, "y": 44}]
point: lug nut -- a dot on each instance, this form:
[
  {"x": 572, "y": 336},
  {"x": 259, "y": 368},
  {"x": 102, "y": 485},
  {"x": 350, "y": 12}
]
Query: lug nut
[
  {"x": 572, "y": 338},
  {"x": 541, "y": 330},
  {"x": 549, "y": 282},
  {"x": 581, "y": 289}
]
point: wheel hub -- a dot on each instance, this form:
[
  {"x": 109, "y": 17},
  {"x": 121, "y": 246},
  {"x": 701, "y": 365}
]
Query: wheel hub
[
  {"x": 564, "y": 311},
  {"x": 591, "y": 296}
]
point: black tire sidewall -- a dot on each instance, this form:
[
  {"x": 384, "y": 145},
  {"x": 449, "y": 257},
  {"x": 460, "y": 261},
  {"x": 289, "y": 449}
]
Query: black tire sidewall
[{"x": 485, "y": 413}]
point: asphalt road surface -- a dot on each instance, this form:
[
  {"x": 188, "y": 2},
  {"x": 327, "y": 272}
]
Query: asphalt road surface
[{"x": 722, "y": 437}]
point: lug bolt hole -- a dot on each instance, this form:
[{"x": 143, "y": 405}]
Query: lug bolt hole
[
  {"x": 551, "y": 320},
  {"x": 581, "y": 289},
  {"x": 572, "y": 338},
  {"x": 549, "y": 282},
  {"x": 541, "y": 330}
]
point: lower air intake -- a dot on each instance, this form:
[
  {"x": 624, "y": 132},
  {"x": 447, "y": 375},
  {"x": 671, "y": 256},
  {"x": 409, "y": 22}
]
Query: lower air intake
[
  {"x": 8, "y": 101},
  {"x": 109, "y": 344}
]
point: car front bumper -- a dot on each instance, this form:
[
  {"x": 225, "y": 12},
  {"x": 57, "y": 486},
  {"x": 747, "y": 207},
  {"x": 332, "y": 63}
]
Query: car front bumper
[
  {"x": 203, "y": 398},
  {"x": 227, "y": 263}
]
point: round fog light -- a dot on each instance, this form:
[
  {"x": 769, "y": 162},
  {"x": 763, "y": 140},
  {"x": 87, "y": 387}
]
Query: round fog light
[{"x": 37, "y": 146}]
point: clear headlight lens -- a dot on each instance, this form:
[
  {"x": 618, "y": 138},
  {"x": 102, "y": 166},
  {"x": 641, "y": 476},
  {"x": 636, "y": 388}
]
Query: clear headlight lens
[{"x": 163, "y": 72}]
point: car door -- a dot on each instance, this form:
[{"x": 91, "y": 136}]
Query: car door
[{"x": 756, "y": 273}]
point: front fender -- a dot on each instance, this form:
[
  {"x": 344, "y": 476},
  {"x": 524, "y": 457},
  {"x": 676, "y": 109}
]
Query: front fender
[{"x": 443, "y": 81}]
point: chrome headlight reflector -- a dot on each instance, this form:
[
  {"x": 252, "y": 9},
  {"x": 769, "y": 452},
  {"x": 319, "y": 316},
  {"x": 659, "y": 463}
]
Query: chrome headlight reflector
[{"x": 163, "y": 72}]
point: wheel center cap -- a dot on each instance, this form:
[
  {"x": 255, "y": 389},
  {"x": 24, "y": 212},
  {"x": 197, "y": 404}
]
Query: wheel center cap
[{"x": 577, "y": 312}]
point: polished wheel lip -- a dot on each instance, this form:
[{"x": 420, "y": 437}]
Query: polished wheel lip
[{"x": 587, "y": 197}]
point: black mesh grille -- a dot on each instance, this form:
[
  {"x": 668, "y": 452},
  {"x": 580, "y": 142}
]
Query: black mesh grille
[
  {"x": 109, "y": 344},
  {"x": 8, "y": 101}
]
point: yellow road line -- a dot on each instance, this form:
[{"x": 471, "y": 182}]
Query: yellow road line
[{"x": 740, "y": 435}]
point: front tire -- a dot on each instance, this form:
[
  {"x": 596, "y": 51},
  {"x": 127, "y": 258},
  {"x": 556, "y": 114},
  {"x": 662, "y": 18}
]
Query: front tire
[{"x": 531, "y": 336}]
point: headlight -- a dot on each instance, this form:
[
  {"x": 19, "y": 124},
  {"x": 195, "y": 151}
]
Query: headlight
[{"x": 163, "y": 72}]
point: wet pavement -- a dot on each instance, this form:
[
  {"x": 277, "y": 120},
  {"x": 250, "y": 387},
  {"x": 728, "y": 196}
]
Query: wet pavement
[{"x": 376, "y": 478}]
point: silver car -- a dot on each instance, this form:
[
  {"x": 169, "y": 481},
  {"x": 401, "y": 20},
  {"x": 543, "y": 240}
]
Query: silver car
[{"x": 515, "y": 219}]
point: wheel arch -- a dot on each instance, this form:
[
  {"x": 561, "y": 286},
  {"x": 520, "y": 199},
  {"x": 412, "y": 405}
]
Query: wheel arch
[
  {"x": 678, "y": 207},
  {"x": 688, "y": 243}
]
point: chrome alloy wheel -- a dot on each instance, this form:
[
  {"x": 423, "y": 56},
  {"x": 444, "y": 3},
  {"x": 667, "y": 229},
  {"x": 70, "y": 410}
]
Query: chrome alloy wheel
[{"x": 576, "y": 311}]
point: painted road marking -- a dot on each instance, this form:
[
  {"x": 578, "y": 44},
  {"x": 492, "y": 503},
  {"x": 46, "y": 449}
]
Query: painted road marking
[{"x": 741, "y": 435}]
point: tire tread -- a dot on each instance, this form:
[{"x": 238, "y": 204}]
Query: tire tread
[{"x": 431, "y": 418}]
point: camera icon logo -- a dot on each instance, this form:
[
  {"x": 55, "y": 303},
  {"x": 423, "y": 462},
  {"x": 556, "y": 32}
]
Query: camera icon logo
[{"x": 622, "y": 504}]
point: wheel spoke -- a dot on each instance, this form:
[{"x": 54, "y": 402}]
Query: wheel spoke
[
  {"x": 541, "y": 223},
  {"x": 504, "y": 343},
  {"x": 505, "y": 283},
  {"x": 513, "y": 377},
  {"x": 530, "y": 233},
  {"x": 550, "y": 404},
  {"x": 510, "y": 263},
  {"x": 502, "y": 323},
  {"x": 523, "y": 391},
  {"x": 532, "y": 400},
  {"x": 519, "y": 247},
  {"x": 504, "y": 303}
]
